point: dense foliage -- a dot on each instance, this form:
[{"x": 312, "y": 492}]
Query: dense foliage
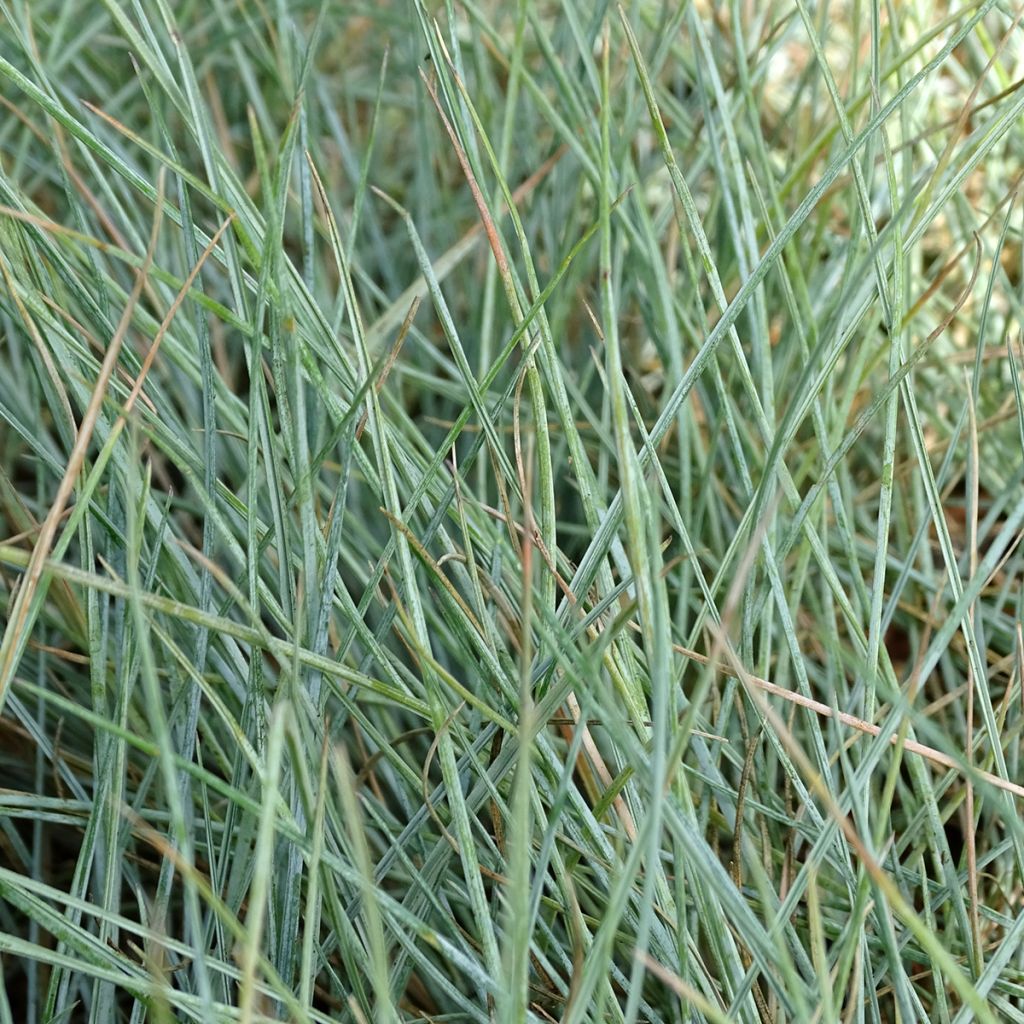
[{"x": 511, "y": 511}]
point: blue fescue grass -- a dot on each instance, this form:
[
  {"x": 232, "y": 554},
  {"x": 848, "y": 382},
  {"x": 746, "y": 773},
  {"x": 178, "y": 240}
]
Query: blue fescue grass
[{"x": 511, "y": 512}]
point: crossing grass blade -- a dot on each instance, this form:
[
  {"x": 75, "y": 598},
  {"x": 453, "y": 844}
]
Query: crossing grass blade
[{"x": 511, "y": 512}]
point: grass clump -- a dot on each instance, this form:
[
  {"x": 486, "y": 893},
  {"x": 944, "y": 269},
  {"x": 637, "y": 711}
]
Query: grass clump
[{"x": 511, "y": 512}]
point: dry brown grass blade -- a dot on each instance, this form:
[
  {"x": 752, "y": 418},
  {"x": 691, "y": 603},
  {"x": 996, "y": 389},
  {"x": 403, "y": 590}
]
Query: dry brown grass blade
[
  {"x": 13, "y": 638},
  {"x": 937, "y": 757},
  {"x": 451, "y": 258}
]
